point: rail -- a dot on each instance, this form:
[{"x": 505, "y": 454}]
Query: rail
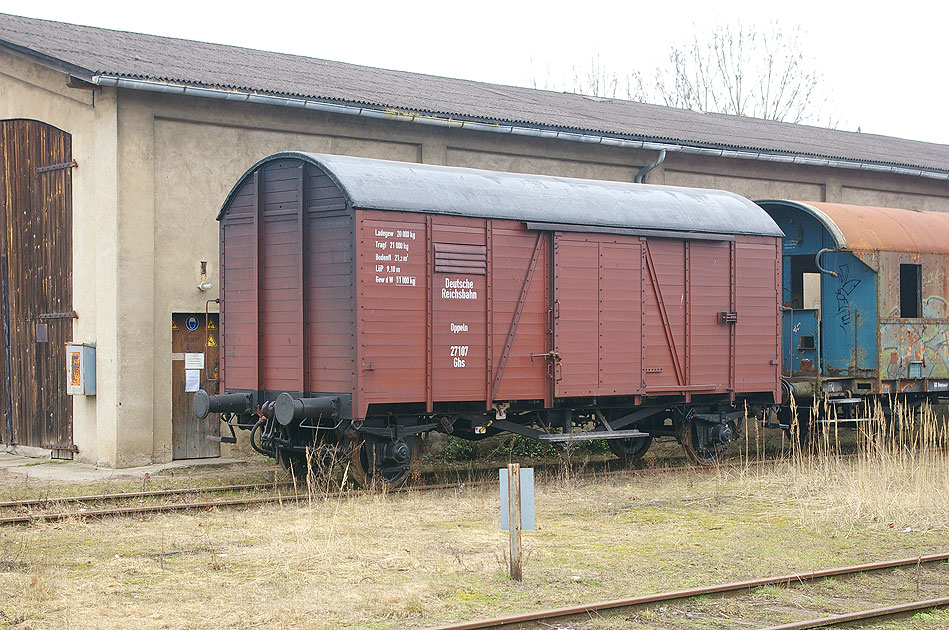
[{"x": 569, "y": 611}]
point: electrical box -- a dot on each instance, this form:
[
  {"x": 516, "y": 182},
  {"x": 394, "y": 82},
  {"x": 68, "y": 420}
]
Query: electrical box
[{"x": 80, "y": 369}]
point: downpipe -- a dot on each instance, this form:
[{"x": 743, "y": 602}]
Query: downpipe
[{"x": 641, "y": 175}]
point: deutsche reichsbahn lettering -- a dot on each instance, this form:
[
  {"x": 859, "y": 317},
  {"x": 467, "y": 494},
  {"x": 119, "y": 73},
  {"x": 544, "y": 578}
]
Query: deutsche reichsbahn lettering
[{"x": 459, "y": 290}]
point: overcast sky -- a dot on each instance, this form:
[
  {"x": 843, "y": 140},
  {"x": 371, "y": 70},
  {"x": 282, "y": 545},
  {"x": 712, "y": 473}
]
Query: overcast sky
[{"x": 884, "y": 64}]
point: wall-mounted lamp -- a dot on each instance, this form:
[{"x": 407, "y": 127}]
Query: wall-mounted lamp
[{"x": 204, "y": 284}]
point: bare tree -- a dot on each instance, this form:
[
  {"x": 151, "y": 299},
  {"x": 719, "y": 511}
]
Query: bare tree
[
  {"x": 743, "y": 71},
  {"x": 734, "y": 69},
  {"x": 595, "y": 80}
]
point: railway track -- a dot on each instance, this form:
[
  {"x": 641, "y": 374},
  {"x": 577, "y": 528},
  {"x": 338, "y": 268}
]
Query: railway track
[
  {"x": 543, "y": 617},
  {"x": 487, "y": 478},
  {"x": 599, "y": 471},
  {"x": 864, "y": 615},
  {"x": 116, "y": 496},
  {"x": 20, "y": 519}
]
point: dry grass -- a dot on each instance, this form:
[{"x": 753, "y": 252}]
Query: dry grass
[
  {"x": 892, "y": 470},
  {"x": 416, "y": 559}
]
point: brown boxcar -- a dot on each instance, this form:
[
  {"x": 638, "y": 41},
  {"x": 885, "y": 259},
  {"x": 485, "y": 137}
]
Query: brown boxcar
[{"x": 365, "y": 303}]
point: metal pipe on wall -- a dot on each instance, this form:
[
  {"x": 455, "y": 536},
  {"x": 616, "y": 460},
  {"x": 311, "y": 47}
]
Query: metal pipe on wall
[{"x": 641, "y": 175}]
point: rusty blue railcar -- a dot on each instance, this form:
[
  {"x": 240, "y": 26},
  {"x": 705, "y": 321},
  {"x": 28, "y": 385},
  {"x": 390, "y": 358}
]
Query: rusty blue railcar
[{"x": 864, "y": 294}]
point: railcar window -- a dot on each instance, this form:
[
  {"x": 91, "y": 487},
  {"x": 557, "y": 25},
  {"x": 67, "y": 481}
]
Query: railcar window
[
  {"x": 812, "y": 291},
  {"x": 801, "y": 297},
  {"x": 910, "y": 290}
]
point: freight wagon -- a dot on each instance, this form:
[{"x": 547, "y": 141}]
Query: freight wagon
[
  {"x": 365, "y": 303},
  {"x": 866, "y": 317}
]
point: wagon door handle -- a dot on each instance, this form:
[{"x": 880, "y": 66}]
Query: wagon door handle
[{"x": 553, "y": 365}]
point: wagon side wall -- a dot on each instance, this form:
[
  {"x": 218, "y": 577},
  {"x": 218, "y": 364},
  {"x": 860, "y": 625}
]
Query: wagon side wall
[
  {"x": 644, "y": 316},
  {"x": 287, "y": 291},
  {"x": 758, "y": 330},
  {"x": 913, "y": 349},
  {"x": 449, "y": 310}
]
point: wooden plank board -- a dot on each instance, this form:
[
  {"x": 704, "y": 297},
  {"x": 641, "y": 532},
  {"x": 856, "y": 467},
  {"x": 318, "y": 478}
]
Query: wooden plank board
[
  {"x": 36, "y": 252},
  {"x": 189, "y": 434}
]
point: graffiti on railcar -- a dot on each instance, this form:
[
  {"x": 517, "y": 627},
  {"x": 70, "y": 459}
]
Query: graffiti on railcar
[
  {"x": 846, "y": 286},
  {"x": 924, "y": 345}
]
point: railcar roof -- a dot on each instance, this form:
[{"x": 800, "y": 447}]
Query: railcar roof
[
  {"x": 373, "y": 184},
  {"x": 869, "y": 228}
]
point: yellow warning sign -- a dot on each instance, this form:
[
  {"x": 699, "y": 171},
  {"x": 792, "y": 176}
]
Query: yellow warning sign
[
  {"x": 211, "y": 342},
  {"x": 174, "y": 326},
  {"x": 211, "y": 325},
  {"x": 75, "y": 371}
]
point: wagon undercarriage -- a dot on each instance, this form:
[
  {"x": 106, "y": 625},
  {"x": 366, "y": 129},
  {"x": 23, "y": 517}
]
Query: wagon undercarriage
[{"x": 382, "y": 449}]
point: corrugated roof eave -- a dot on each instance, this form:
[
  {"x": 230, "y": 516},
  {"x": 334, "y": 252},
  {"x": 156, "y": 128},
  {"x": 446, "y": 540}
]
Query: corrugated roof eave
[{"x": 603, "y": 132}]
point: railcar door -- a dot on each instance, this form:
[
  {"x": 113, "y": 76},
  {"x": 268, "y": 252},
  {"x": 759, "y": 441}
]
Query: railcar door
[
  {"x": 639, "y": 316},
  {"x": 689, "y": 316},
  {"x": 597, "y": 322},
  {"x": 801, "y": 323}
]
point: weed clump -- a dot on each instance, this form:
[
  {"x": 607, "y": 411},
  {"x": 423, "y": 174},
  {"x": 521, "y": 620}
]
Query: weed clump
[{"x": 884, "y": 465}]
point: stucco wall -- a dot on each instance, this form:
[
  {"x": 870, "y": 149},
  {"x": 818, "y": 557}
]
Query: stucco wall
[
  {"x": 155, "y": 168},
  {"x": 31, "y": 91}
]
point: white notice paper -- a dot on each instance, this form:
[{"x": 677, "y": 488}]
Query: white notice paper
[
  {"x": 194, "y": 360},
  {"x": 192, "y": 380}
]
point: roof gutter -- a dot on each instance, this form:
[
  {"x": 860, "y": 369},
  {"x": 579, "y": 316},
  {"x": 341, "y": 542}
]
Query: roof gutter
[{"x": 509, "y": 129}]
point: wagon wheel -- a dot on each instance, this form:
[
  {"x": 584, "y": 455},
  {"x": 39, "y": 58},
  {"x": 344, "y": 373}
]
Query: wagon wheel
[
  {"x": 630, "y": 450},
  {"x": 384, "y": 464},
  {"x": 798, "y": 422},
  {"x": 292, "y": 462},
  {"x": 321, "y": 461},
  {"x": 693, "y": 434}
]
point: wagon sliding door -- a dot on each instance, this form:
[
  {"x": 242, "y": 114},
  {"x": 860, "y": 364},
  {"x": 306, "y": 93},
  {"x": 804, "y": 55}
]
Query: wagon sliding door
[
  {"x": 687, "y": 332},
  {"x": 35, "y": 285},
  {"x": 637, "y": 316},
  {"x": 597, "y": 321}
]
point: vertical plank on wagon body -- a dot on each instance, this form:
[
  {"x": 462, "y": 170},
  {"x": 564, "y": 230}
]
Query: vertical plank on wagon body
[{"x": 459, "y": 309}]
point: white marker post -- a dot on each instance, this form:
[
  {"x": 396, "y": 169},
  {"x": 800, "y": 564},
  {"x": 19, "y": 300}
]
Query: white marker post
[
  {"x": 517, "y": 509},
  {"x": 514, "y": 518}
]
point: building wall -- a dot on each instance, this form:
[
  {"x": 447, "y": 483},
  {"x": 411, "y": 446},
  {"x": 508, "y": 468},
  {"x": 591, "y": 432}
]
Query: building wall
[
  {"x": 155, "y": 168},
  {"x": 28, "y": 90}
]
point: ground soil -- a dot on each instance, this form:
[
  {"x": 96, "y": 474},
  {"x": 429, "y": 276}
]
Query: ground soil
[{"x": 419, "y": 559}]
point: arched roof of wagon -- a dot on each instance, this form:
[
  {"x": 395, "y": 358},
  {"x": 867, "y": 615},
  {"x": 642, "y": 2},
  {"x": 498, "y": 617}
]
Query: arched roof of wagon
[
  {"x": 372, "y": 184},
  {"x": 868, "y": 228}
]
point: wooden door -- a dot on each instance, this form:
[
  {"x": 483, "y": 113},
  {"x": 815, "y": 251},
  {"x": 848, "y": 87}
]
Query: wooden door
[
  {"x": 35, "y": 284},
  {"x": 576, "y": 300},
  {"x": 598, "y": 323},
  {"x": 195, "y": 348}
]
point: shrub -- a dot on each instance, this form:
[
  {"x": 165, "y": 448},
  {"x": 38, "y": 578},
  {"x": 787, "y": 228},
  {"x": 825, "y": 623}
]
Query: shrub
[{"x": 457, "y": 449}]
